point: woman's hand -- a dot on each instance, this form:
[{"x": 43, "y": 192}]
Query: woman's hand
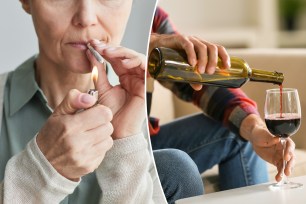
[
  {"x": 75, "y": 143},
  {"x": 126, "y": 100},
  {"x": 200, "y": 53},
  {"x": 267, "y": 146}
]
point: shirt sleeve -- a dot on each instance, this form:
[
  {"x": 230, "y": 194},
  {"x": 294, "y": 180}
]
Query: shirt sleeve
[
  {"x": 227, "y": 105},
  {"x": 161, "y": 23},
  {"x": 30, "y": 178},
  {"x": 127, "y": 173}
]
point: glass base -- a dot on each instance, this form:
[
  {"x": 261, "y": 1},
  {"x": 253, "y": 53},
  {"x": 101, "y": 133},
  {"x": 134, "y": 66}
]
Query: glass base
[{"x": 285, "y": 186}]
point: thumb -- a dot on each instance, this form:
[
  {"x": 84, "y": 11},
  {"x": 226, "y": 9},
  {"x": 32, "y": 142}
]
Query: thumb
[
  {"x": 102, "y": 84},
  {"x": 74, "y": 101}
]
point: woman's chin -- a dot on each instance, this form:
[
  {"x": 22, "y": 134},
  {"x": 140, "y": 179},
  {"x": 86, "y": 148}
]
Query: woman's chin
[{"x": 79, "y": 66}]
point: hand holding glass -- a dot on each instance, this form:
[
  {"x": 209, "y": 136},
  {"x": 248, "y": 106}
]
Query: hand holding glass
[{"x": 283, "y": 119}]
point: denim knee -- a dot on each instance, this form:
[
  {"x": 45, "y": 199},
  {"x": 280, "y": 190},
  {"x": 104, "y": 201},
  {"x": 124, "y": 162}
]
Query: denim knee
[{"x": 179, "y": 175}]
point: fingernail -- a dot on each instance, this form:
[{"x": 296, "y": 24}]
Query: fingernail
[
  {"x": 101, "y": 45},
  {"x": 229, "y": 63},
  {"x": 111, "y": 49},
  {"x": 201, "y": 69},
  {"x": 87, "y": 99},
  {"x": 210, "y": 70},
  {"x": 125, "y": 61},
  {"x": 193, "y": 62},
  {"x": 95, "y": 41}
]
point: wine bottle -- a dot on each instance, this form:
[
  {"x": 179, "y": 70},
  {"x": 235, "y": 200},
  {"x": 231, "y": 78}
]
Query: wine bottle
[{"x": 172, "y": 65}]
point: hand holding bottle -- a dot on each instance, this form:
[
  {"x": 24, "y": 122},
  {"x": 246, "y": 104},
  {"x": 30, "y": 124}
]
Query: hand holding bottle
[
  {"x": 172, "y": 65},
  {"x": 200, "y": 53}
]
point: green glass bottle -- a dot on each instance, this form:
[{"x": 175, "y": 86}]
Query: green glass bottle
[{"x": 172, "y": 65}]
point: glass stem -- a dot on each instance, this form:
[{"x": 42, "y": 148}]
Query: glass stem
[{"x": 284, "y": 177}]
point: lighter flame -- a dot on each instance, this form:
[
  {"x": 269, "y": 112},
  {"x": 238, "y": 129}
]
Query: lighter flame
[{"x": 94, "y": 74}]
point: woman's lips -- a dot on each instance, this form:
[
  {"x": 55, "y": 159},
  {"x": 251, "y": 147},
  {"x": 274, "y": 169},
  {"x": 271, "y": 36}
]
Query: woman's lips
[{"x": 78, "y": 45}]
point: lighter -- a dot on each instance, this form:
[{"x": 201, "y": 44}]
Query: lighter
[
  {"x": 94, "y": 93},
  {"x": 94, "y": 77}
]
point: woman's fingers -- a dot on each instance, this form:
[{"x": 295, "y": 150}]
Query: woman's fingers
[
  {"x": 121, "y": 56},
  {"x": 102, "y": 83}
]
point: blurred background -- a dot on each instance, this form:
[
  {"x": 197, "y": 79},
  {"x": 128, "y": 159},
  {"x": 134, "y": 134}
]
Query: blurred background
[
  {"x": 240, "y": 23},
  {"x": 267, "y": 34}
]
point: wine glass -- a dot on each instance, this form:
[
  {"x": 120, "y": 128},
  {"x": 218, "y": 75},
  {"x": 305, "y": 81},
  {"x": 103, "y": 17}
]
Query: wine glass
[{"x": 283, "y": 119}]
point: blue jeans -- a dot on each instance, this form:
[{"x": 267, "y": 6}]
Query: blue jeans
[
  {"x": 208, "y": 143},
  {"x": 178, "y": 174}
]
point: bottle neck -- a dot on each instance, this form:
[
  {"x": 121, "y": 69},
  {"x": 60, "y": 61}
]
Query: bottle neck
[{"x": 267, "y": 76}]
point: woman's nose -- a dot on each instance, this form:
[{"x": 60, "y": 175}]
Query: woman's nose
[{"x": 85, "y": 14}]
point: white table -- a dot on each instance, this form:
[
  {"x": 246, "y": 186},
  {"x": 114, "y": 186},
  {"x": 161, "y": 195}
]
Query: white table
[{"x": 257, "y": 194}]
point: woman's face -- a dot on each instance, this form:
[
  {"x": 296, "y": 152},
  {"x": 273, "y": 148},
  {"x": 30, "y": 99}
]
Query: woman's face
[{"x": 64, "y": 27}]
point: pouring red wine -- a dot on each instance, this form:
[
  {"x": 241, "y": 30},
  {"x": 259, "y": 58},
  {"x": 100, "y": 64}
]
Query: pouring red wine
[{"x": 283, "y": 119}]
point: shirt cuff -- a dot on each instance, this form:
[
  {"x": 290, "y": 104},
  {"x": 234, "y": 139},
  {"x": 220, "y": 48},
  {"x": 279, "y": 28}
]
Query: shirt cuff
[
  {"x": 127, "y": 145},
  {"x": 49, "y": 173},
  {"x": 238, "y": 115}
]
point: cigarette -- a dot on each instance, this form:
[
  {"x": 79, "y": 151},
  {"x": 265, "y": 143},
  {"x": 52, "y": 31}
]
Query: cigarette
[{"x": 97, "y": 55}]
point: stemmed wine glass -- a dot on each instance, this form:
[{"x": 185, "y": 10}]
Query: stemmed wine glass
[{"x": 283, "y": 119}]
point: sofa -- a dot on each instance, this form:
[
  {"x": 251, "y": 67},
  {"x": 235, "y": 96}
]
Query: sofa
[{"x": 291, "y": 62}]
